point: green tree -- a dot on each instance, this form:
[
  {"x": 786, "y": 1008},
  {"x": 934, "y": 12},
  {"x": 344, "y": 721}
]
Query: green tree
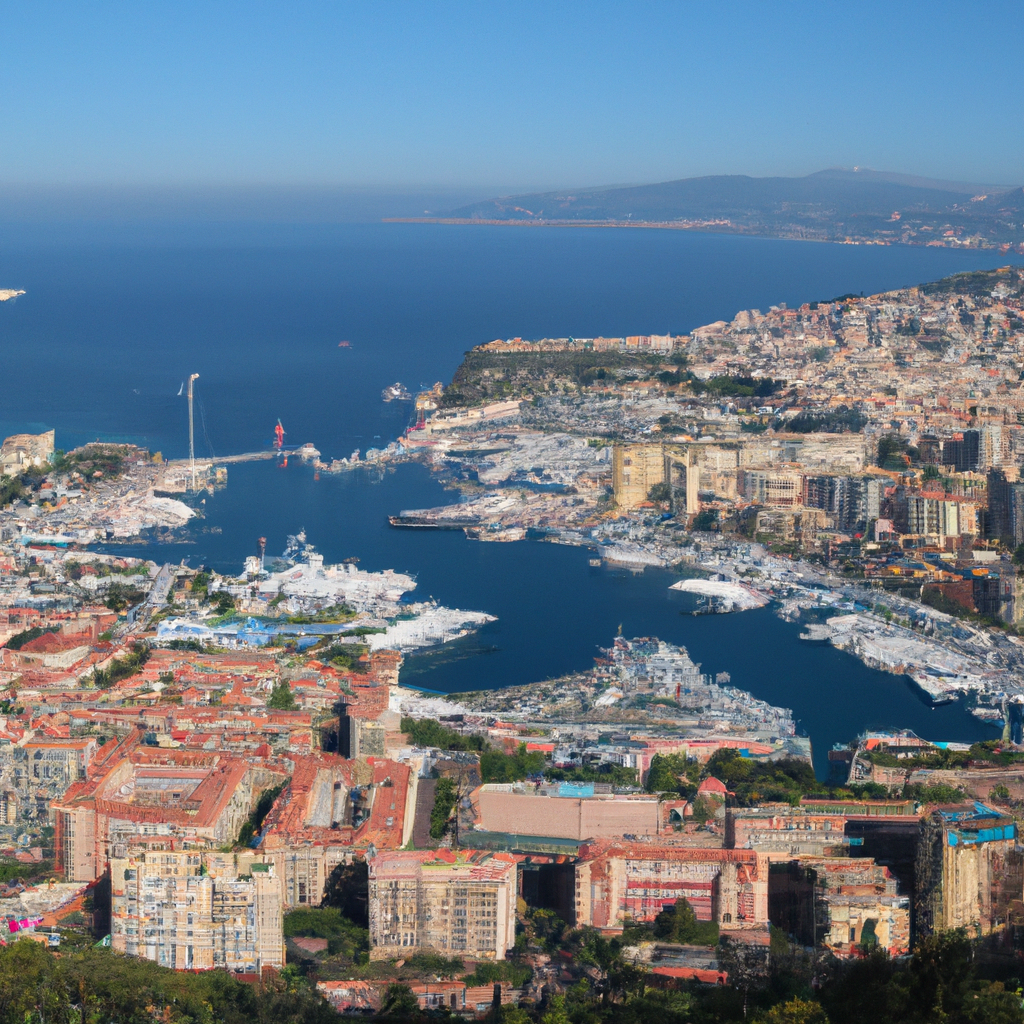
[
  {"x": 509, "y": 1014},
  {"x": 679, "y": 924},
  {"x": 11, "y": 489},
  {"x": 344, "y": 937},
  {"x": 281, "y": 697},
  {"x": 795, "y": 1011},
  {"x": 556, "y": 1013},
  {"x": 25, "y": 636},
  {"x": 940, "y": 974},
  {"x": 426, "y": 732},
  {"x": 122, "y": 668},
  {"x": 399, "y": 1001},
  {"x": 667, "y": 774},
  {"x": 445, "y": 795},
  {"x": 705, "y": 520},
  {"x": 498, "y": 767}
]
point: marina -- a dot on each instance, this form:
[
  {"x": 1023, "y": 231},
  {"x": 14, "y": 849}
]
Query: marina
[
  {"x": 553, "y": 609},
  {"x": 727, "y": 596}
]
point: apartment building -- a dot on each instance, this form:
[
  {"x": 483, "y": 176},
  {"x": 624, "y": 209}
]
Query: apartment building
[
  {"x": 458, "y": 904},
  {"x": 134, "y": 790},
  {"x": 636, "y": 468},
  {"x": 190, "y": 909},
  {"x": 969, "y": 869},
  {"x": 618, "y": 881}
]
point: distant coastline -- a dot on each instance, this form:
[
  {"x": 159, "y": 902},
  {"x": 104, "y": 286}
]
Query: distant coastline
[
  {"x": 853, "y": 206},
  {"x": 708, "y": 227}
]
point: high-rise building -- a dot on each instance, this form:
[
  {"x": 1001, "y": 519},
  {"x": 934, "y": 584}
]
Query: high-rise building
[
  {"x": 1016, "y": 513},
  {"x": 858, "y": 501},
  {"x": 998, "y": 520},
  {"x": 962, "y": 451},
  {"x": 190, "y": 909},
  {"x": 458, "y": 904},
  {"x": 993, "y": 446},
  {"x": 968, "y": 870},
  {"x": 822, "y": 492},
  {"x": 636, "y": 468}
]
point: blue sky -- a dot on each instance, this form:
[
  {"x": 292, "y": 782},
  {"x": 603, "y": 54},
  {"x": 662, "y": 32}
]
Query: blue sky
[{"x": 506, "y": 96}]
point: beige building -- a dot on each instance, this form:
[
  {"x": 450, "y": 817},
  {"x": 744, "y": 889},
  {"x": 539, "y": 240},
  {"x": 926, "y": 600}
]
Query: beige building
[
  {"x": 776, "y": 488},
  {"x": 684, "y": 476},
  {"x": 458, "y": 904},
  {"x": 969, "y": 870},
  {"x": 304, "y": 869},
  {"x": 636, "y": 468},
  {"x": 870, "y": 920},
  {"x": 800, "y": 524},
  {"x": 525, "y": 810},
  {"x": 9, "y": 805},
  {"x": 845, "y": 903},
  {"x": 20, "y": 451},
  {"x": 190, "y": 909}
]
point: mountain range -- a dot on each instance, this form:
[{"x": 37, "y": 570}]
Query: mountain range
[{"x": 831, "y": 205}]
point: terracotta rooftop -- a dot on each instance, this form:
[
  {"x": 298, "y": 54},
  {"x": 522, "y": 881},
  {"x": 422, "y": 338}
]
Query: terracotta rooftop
[{"x": 54, "y": 643}]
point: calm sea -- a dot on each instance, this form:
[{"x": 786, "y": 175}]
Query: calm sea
[{"x": 110, "y": 328}]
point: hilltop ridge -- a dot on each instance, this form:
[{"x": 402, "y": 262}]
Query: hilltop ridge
[{"x": 836, "y": 204}]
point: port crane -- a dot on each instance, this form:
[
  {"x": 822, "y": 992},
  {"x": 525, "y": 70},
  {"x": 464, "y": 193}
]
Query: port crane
[{"x": 279, "y": 436}]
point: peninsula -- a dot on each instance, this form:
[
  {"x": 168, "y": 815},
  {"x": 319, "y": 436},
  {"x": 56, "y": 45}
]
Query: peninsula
[
  {"x": 836, "y": 205},
  {"x": 854, "y": 460},
  {"x": 241, "y": 741}
]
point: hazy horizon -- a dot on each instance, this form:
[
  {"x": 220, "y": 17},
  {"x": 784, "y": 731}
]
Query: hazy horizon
[
  {"x": 283, "y": 203},
  {"x": 501, "y": 99}
]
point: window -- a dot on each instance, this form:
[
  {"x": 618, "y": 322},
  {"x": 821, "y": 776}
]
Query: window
[{"x": 727, "y": 919}]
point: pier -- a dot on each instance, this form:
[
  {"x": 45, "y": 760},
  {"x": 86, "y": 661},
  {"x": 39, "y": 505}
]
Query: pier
[{"x": 207, "y": 463}]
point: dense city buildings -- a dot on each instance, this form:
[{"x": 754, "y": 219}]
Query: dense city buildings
[{"x": 204, "y": 754}]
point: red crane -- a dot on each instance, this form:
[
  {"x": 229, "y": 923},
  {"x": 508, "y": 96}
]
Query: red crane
[{"x": 278, "y": 436}]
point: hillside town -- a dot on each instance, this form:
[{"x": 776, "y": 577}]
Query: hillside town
[
  {"x": 857, "y": 461},
  {"x": 224, "y": 772}
]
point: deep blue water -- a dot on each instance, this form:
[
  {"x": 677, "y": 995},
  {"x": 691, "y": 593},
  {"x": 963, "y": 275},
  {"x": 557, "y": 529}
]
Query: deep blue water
[
  {"x": 554, "y": 610},
  {"x": 107, "y": 332}
]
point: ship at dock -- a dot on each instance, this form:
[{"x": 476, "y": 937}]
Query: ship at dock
[
  {"x": 429, "y": 520},
  {"x": 396, "y": 392}
]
